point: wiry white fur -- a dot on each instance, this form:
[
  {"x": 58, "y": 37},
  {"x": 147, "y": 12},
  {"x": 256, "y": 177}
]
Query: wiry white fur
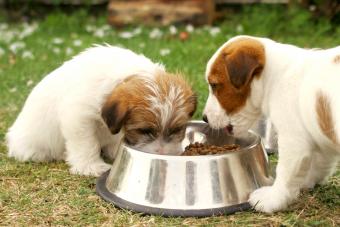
[
  {"x": 61, "y": 118},
  {"x": 165, "y": 107},
  {"x": 286, "y": 93}
]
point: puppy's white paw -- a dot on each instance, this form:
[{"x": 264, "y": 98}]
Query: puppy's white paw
[
  {"x": 93, "y": 169},
  {"x": 269, "y": 199}
]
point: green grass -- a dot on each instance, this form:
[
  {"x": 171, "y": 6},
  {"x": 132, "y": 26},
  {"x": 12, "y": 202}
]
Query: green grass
[{"x": 46, "y": 194}]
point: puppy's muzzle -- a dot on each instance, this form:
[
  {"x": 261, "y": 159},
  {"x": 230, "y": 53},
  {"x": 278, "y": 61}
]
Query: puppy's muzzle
[{"x": 230, "y": 128}]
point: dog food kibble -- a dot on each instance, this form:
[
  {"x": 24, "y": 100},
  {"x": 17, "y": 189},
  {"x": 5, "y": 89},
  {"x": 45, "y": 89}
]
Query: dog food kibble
[{"x": 205, "y": 149}]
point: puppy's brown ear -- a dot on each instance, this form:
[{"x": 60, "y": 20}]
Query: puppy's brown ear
[
  {"x": 115, "y": 114},
  {"x": 193, "y": 101},
  {"x": 242, "y": 66}
]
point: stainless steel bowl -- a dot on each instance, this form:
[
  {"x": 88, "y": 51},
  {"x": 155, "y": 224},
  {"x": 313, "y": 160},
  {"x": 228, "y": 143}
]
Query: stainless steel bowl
[
  {"x": 264, "y": 128},
  {"x": 187, "y": 185}
]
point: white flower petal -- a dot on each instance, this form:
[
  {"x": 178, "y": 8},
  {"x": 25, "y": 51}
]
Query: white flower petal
[
  {"x": 106, "y": 27},
  {"x": 56, "y": 50},
  {"x": 29, "y": 83},
  {"x": 16, "y": 46},
  {"x": 173, "y": 30},
  {"x": 99, "y": 33},
  {"x": 27, "y": 54},
  {"x": 90, "y": 28},
  {"x": 8, "y": 35},
  {"x": 239, "y": 28},
  {"x": 137, "y": 31},
  {"x": 57, "y": 41},
  {"x": 28, "y": 29},
  {"x": 189, "y": 28},
  {"x": 312, "y": 8},
  {"x": 164, "y": 52},
  {"x": 69, "y": 51},
  {"x": 77, "y": 42},
  {"x": 3, "y": 26},
  {"x": 214, "y": 31},
  {"x": 126, "y": 35},
  {"x": 155, "y": 33}
]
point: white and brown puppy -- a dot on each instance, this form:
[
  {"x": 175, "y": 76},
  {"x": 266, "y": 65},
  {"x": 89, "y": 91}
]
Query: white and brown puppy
[
  {"x": 93, "y": 101},
  {"x": 298, "y": 89}
]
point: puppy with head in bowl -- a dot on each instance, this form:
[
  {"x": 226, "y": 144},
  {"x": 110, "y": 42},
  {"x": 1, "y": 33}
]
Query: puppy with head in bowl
[
  {"x": 95, "y": 101},
  {"x": 298, "y": 90}
]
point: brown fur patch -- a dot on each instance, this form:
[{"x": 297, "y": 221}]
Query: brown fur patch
[
  {"x": 125, "y": 98},
  {"x": 234, "y": 69},
  {"x": 337, "y": 59},
  {"x": 130, "y": 100},
  {"x": 325, "y": 117}
]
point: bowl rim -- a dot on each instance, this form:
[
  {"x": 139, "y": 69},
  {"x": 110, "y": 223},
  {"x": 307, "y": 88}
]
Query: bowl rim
[{"x": 256, "y": 142}]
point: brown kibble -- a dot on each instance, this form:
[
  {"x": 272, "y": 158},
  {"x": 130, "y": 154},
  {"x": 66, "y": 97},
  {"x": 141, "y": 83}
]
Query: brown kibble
[{"x": 205, "y": 149}]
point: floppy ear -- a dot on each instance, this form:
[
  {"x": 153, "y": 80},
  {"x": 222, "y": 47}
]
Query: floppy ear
[
  {"x": 241, "y": 67},
  {"x": 115, "y": 114},
  {"x": 193, "y": 100}
]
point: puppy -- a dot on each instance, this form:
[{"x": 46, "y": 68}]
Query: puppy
[
  {"x": 298, "y": 90},
  {"x": 93, "y": 102}
]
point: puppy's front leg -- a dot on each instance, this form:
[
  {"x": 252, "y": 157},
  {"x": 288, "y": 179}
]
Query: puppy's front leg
[
  {"x": 82, "y": 146},
  {"x": 83, "y": 156},
  {"x": 293, "y": 166}
]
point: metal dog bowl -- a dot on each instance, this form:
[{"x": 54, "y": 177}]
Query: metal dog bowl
[
  {"x": 264, "y": 128},
  {"x": 187, "y": 185}
]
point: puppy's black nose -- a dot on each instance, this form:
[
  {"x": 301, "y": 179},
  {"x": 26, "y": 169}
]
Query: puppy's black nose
[
  {"x": 205, "y": 118},
  {"x": 230, "y": 128}
]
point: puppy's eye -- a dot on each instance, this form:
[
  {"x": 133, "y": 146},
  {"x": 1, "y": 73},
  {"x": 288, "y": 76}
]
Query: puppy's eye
[
  {"x": 146, "y": 131},
  {"x": 128, "y": 141},
  {"x": 175, "y": 130},
  {"x": 213, "y": 86}
]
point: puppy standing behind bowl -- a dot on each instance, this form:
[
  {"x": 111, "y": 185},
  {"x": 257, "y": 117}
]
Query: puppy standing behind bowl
[
  {"x": 93, "y": 102},
  {"x": 298, "y": 90}
]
